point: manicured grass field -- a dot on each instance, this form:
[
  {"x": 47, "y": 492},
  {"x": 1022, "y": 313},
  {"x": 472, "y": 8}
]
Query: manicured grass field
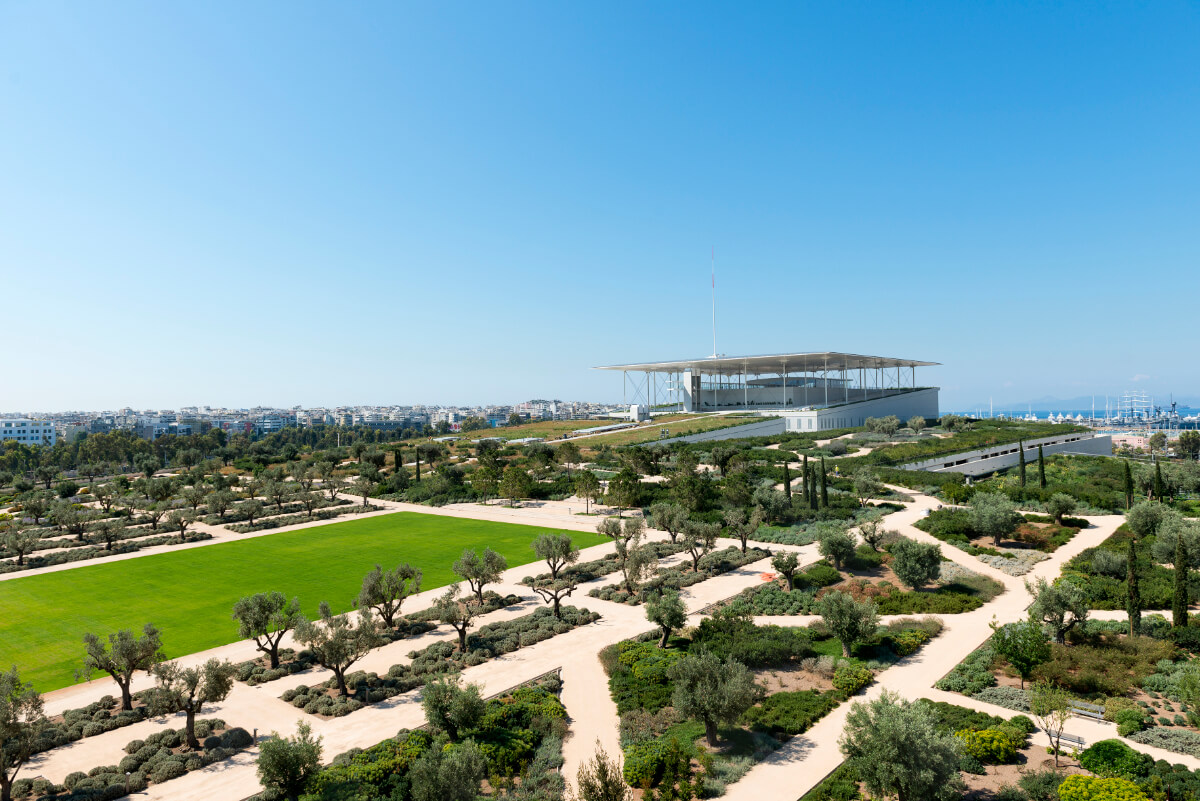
[{"x": 189, "y": 594}]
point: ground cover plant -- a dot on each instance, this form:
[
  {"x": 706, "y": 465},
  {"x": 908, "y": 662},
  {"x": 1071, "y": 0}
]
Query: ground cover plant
[
  {"x": 488, "y": 642},
  {"x": 43, "y": 618},
  {"x": 162, "y": 756}
]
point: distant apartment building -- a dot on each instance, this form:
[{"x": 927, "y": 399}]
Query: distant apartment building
[{"x": 29, "y": 432}]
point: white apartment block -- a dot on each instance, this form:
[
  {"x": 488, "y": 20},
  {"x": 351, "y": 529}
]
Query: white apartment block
[{"x": 29, "y": 432}]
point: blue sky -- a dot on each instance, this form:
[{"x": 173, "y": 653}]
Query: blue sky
[{"x": 303, "y": 203}]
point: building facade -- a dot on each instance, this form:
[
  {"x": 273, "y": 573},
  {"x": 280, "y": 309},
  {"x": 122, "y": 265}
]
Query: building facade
[{"x": 29, "y": 432}]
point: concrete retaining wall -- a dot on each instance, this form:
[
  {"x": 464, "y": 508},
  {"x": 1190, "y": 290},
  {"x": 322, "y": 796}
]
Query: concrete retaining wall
[
  {"x": 985, "y": 461},
  {"x": 763, "y": 428}
]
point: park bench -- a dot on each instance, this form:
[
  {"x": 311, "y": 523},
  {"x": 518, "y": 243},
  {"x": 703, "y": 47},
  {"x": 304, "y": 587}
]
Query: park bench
[
  {"x": 1086, "y": 710},
  {"x": 1070, "y": 739}
]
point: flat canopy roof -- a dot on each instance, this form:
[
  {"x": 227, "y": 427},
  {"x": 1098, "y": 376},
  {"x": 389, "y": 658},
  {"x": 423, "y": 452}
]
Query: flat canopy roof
[{"x": 778, "y": 363}]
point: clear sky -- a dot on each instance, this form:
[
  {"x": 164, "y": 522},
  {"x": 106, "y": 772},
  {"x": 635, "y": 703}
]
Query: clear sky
[{"x": 335, "y": 203}]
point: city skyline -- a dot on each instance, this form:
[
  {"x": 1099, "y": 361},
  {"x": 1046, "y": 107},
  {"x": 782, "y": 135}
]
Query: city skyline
[{"x": 464, "y": 206}]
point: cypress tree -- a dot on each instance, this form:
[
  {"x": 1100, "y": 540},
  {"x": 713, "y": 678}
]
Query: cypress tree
[
  {"x": 1158, "y": 482},
  {"x": 1021, "y": 461},
  {"x": 1179, "y": 603},
  {"x": 824, "y": 485},
  {"x": 787, "y": 481},
  {"x": 1133, "y": 594},
  {"x": 805, "y": 477},
  {"x": 812, "y": 487},
  {"x": 1041, "y": 468},
  {"x": 1128, "y": 487}
]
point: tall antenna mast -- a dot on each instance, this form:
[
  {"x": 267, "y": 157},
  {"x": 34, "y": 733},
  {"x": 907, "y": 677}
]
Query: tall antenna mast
[{"x": 714, "y": 300}]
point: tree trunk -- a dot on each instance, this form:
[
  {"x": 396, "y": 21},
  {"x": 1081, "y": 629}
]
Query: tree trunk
[
  {"x": 5, "y": 787},
  {"x": 190, "y": 726},
  {"x": 665, "y": 636},
  {"x": 273, "y": 655},
  {"x": 557, "y": 608},
  {"x": 126, "y": 696},
  {"x": 846, "y": 650},
  {"x": 710, "y": 733},
  {"x": 340, "y": 675},
  {"x": 462, "y": 639}
]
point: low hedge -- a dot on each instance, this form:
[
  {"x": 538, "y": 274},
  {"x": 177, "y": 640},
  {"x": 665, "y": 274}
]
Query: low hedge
[
  {"x": 149, "y": 761},
  {"x": 486, "y": 643},
  {"x": 785, "y": 714},
  {"x": 88, "y": 721}
]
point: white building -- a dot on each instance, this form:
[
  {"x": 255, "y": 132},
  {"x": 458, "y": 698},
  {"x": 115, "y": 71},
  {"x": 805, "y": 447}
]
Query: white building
[
  {"x": 808, "y": 391},
  {"x": 30, "y": 432}
]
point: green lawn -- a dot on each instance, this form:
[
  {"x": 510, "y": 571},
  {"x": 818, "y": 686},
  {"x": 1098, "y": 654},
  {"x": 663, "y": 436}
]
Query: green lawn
[{"x": 189, "y": 594}]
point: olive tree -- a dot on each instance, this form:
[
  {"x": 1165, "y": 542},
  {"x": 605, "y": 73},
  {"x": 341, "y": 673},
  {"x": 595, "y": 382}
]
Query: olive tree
[
  {"x": 787, "y": 563},
  {"x": 480, "y": 569},
  {"x": 122, "y": 656},
  {"x": 837, "y": 545},
  {"x": 20, "y": 541},
  {"x": 189, "y": 689},
  {"x": 668, "y": 613},
  {"x": 452, "y": 707},
  {"x": 451, "y": 774},
  {"x": 385, "y": 590},
  {"x": 993, "y": 515},
  {"x": 1059, "y": 505},
  {"x": 21, "y": 722},
  {"x": 265, "y": 617},
  {"x": 287, "y": 765},
  {"x": 849, "y": 621},
  {"x": 457, "y": 612},
  {"x": 1145, "y": 518},
  {"x": 916, "y": 563},
  {"x": 558, "y": 550},
  {"x": 1023, "y": 644},
  {"x": 898, "y": 748},
  {"x": 669, "y": 517},
  {"x": 743, "y": 526},
  {"x": 698, "y": 539},
  {"x": 1060, "y": 606},
  {"x": 337, "y": 642},
  {"x": 180, "y": 520},
  {"x": 711, "y": 690}
]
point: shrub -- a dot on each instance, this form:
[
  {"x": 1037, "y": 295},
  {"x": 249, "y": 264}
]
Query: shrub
[
  {"x": 237, "y": 737},
  {"x": 646, "y": 762},
  {"x": 970, "y": 675},
  {"x": 989, "y": 745},
  {"x": 1007, "y": 697},
  {"x": 849, "y": 679},
  {"x": 1041, "y": 785},
  {"x": 1109, "y": 758},
  {"x": 791, "y": 713},
  {"x": 971, "y": 764},
  {"x": 1089, "y": 788},
  {"x": 1181, "y": 741}
]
